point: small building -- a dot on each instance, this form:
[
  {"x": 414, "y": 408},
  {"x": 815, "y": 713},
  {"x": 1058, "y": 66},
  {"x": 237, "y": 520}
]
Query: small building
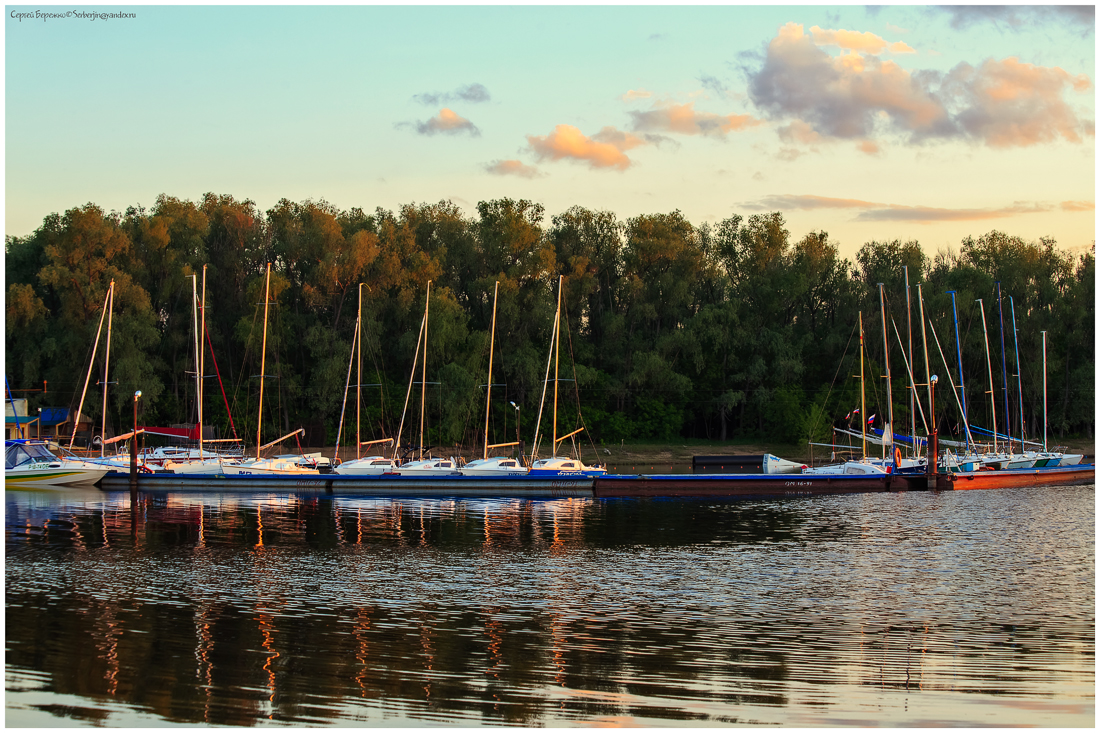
[{"x": 17, "y": 424}]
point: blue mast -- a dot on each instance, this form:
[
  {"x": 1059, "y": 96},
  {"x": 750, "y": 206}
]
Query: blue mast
[
  {"x": 958, "y": 351},
  {"x": 1004, "y": 367}
]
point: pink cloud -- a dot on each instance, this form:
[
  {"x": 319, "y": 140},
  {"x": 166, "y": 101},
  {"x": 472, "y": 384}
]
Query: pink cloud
[
  {"x": 1078, "y": 206},
  {"x": 448, "y": 123},
  {"x": 603, "y": 150},
  {"x": 857, "y": 41},
  {"x": 1012, "y": 104},
  {"x": 873, "y": 211},
  {"x": 683, "y": 119},
  {"x": 512, "y": 168}
]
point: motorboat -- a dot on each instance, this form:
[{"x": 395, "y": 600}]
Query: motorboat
[
  {"x": 561, "y": 466},
  {"x": 850, "y": 468},
  {"x": 429, "y": 467},
  {"x": 369, "y": 466},
  {"x": 30, "y": 464},
  {"x": 496, "y": 466},
  {"x": 277, "y": 466}
]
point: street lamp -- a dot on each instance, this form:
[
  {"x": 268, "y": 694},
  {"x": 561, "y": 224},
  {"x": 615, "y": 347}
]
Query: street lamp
[
  {"x": 133, "y": 446},
  {"x": 933, "y": 438}
]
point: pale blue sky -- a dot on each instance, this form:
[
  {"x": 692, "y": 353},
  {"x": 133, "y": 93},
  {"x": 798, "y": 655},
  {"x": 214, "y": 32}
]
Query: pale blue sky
[{"x": 935, "y": 124}]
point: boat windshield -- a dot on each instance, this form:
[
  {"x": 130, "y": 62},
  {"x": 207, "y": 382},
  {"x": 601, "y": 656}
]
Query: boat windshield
[{"x": 19, "y": 453}]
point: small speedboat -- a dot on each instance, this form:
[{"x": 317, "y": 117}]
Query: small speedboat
[
  {"x": 369, "y": 466},
  {"x": 277, "y": 466},
  {"x": 849, "y": 468},
  {"x": 497, "y": 466},
  {"x": 30, "y": 464},
  {"x": 429, "y": 467},
  {"x": 564, "y": 467}
]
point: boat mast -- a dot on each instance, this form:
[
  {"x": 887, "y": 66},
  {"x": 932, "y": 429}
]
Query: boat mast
[
  {"x": 989, "y": 366},
  {"x": 1044, "y": 391},
  {"x": 1019, "y": 382},
  {"x": 1004, "y": 369},
  {"x": 862, "y": 391},
  {"x": 202, "y": 354},
  {"x": 557, "y": 353},
  {"x": 424, "y": 370},
  {"x": 91, "y": 365},
  {"x": 959, "y": 353},
  {"x": 927, "y": 367},
  {"x": 107, "y": 371},
  {"x": 358, "y": 368},
  {"x": 912, "y": 388},
  {"x": 198, "y": 368},
  {"x": 489, "y": 382},
  {"x": 889, "y": 394},
  {"x": 263, "y": 358},
  {"x": 412, "y": 376}
]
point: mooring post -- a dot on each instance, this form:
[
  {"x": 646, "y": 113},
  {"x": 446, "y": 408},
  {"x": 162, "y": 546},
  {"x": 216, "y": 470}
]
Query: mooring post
[{"x": 133, "y": 451}]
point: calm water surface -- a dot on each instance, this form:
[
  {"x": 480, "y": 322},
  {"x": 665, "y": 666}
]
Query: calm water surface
[{"x": 922, "y": 609}]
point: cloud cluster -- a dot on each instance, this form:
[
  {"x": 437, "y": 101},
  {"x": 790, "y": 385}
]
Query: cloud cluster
[
  {"x": 469, "y": 93},
  {"x": 605, "y": 149},
  {"x": 447, "y": 122},
  {"x": 857, "y": 95},
  {"x": 872, "y": 211}
]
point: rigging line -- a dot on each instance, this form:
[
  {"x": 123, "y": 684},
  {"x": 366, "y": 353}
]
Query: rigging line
[
  {"x": 852, "y": 335},
  {"x": 577, "y": 388},
  {"x": 222, "y": 386}
]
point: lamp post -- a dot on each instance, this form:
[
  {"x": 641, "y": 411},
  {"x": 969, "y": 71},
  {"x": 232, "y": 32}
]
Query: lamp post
[
  {"x": 133, "y": 448},
  {"x": 933, "y": 437}
]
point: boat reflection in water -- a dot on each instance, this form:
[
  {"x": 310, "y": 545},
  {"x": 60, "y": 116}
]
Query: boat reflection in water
[{"x": 895, "y": 609}]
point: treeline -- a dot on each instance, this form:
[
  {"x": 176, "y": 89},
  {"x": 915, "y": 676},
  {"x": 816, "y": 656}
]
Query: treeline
[{"x": 715, "y": 331}]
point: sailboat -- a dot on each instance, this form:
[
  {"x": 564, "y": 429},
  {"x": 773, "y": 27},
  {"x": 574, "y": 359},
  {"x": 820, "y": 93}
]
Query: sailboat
[
  {"x": 422, "y": 466},
  {"x": 555, "y": 465},
  {"x": 497, "y": 465},
  {"x": 369, "y": 465},
  {"x": 278, "y": 465}
]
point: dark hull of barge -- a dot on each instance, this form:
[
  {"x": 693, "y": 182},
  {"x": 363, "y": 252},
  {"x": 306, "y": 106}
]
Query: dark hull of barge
[{"x": 753, "y": 485}]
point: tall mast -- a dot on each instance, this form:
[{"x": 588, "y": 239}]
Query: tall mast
[
  {"x": 198, "y": 368},
  {"x": 1044, "y": 391},
  {"x": 959, "y": 353},
  {"x": 912, "y": 388},
  {"x": 557, "y": 353},
  {"x": 989, "y": 366},
  {"x": 489, "y": 382},
  {"x": 862, "y": 390},
  {"x": 263, "y": 360},
  {"x": 91, "y": 365},
  {"x": 202, "y": 354},
  {"x": 1004, "y": 369},
  {"x": 886, "y": 355},
  {"x": 424, "y": 370},
  {"x": 1019, "y": 382},
  {"x": 924, "y": 343},
  {"x": 107, "y": 371},
  {"x": 358, "y": 368}
]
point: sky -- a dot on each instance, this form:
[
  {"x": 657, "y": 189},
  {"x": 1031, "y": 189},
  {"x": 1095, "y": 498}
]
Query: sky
[{"x": 868, "y": 123}]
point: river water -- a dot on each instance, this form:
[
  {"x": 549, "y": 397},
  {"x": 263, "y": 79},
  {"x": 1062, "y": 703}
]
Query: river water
[{"x": 966, "y": 608}]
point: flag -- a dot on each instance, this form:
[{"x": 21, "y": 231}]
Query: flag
[
  {"x": 871, "y": 419},
  {"x": 853, "y": 412}
]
